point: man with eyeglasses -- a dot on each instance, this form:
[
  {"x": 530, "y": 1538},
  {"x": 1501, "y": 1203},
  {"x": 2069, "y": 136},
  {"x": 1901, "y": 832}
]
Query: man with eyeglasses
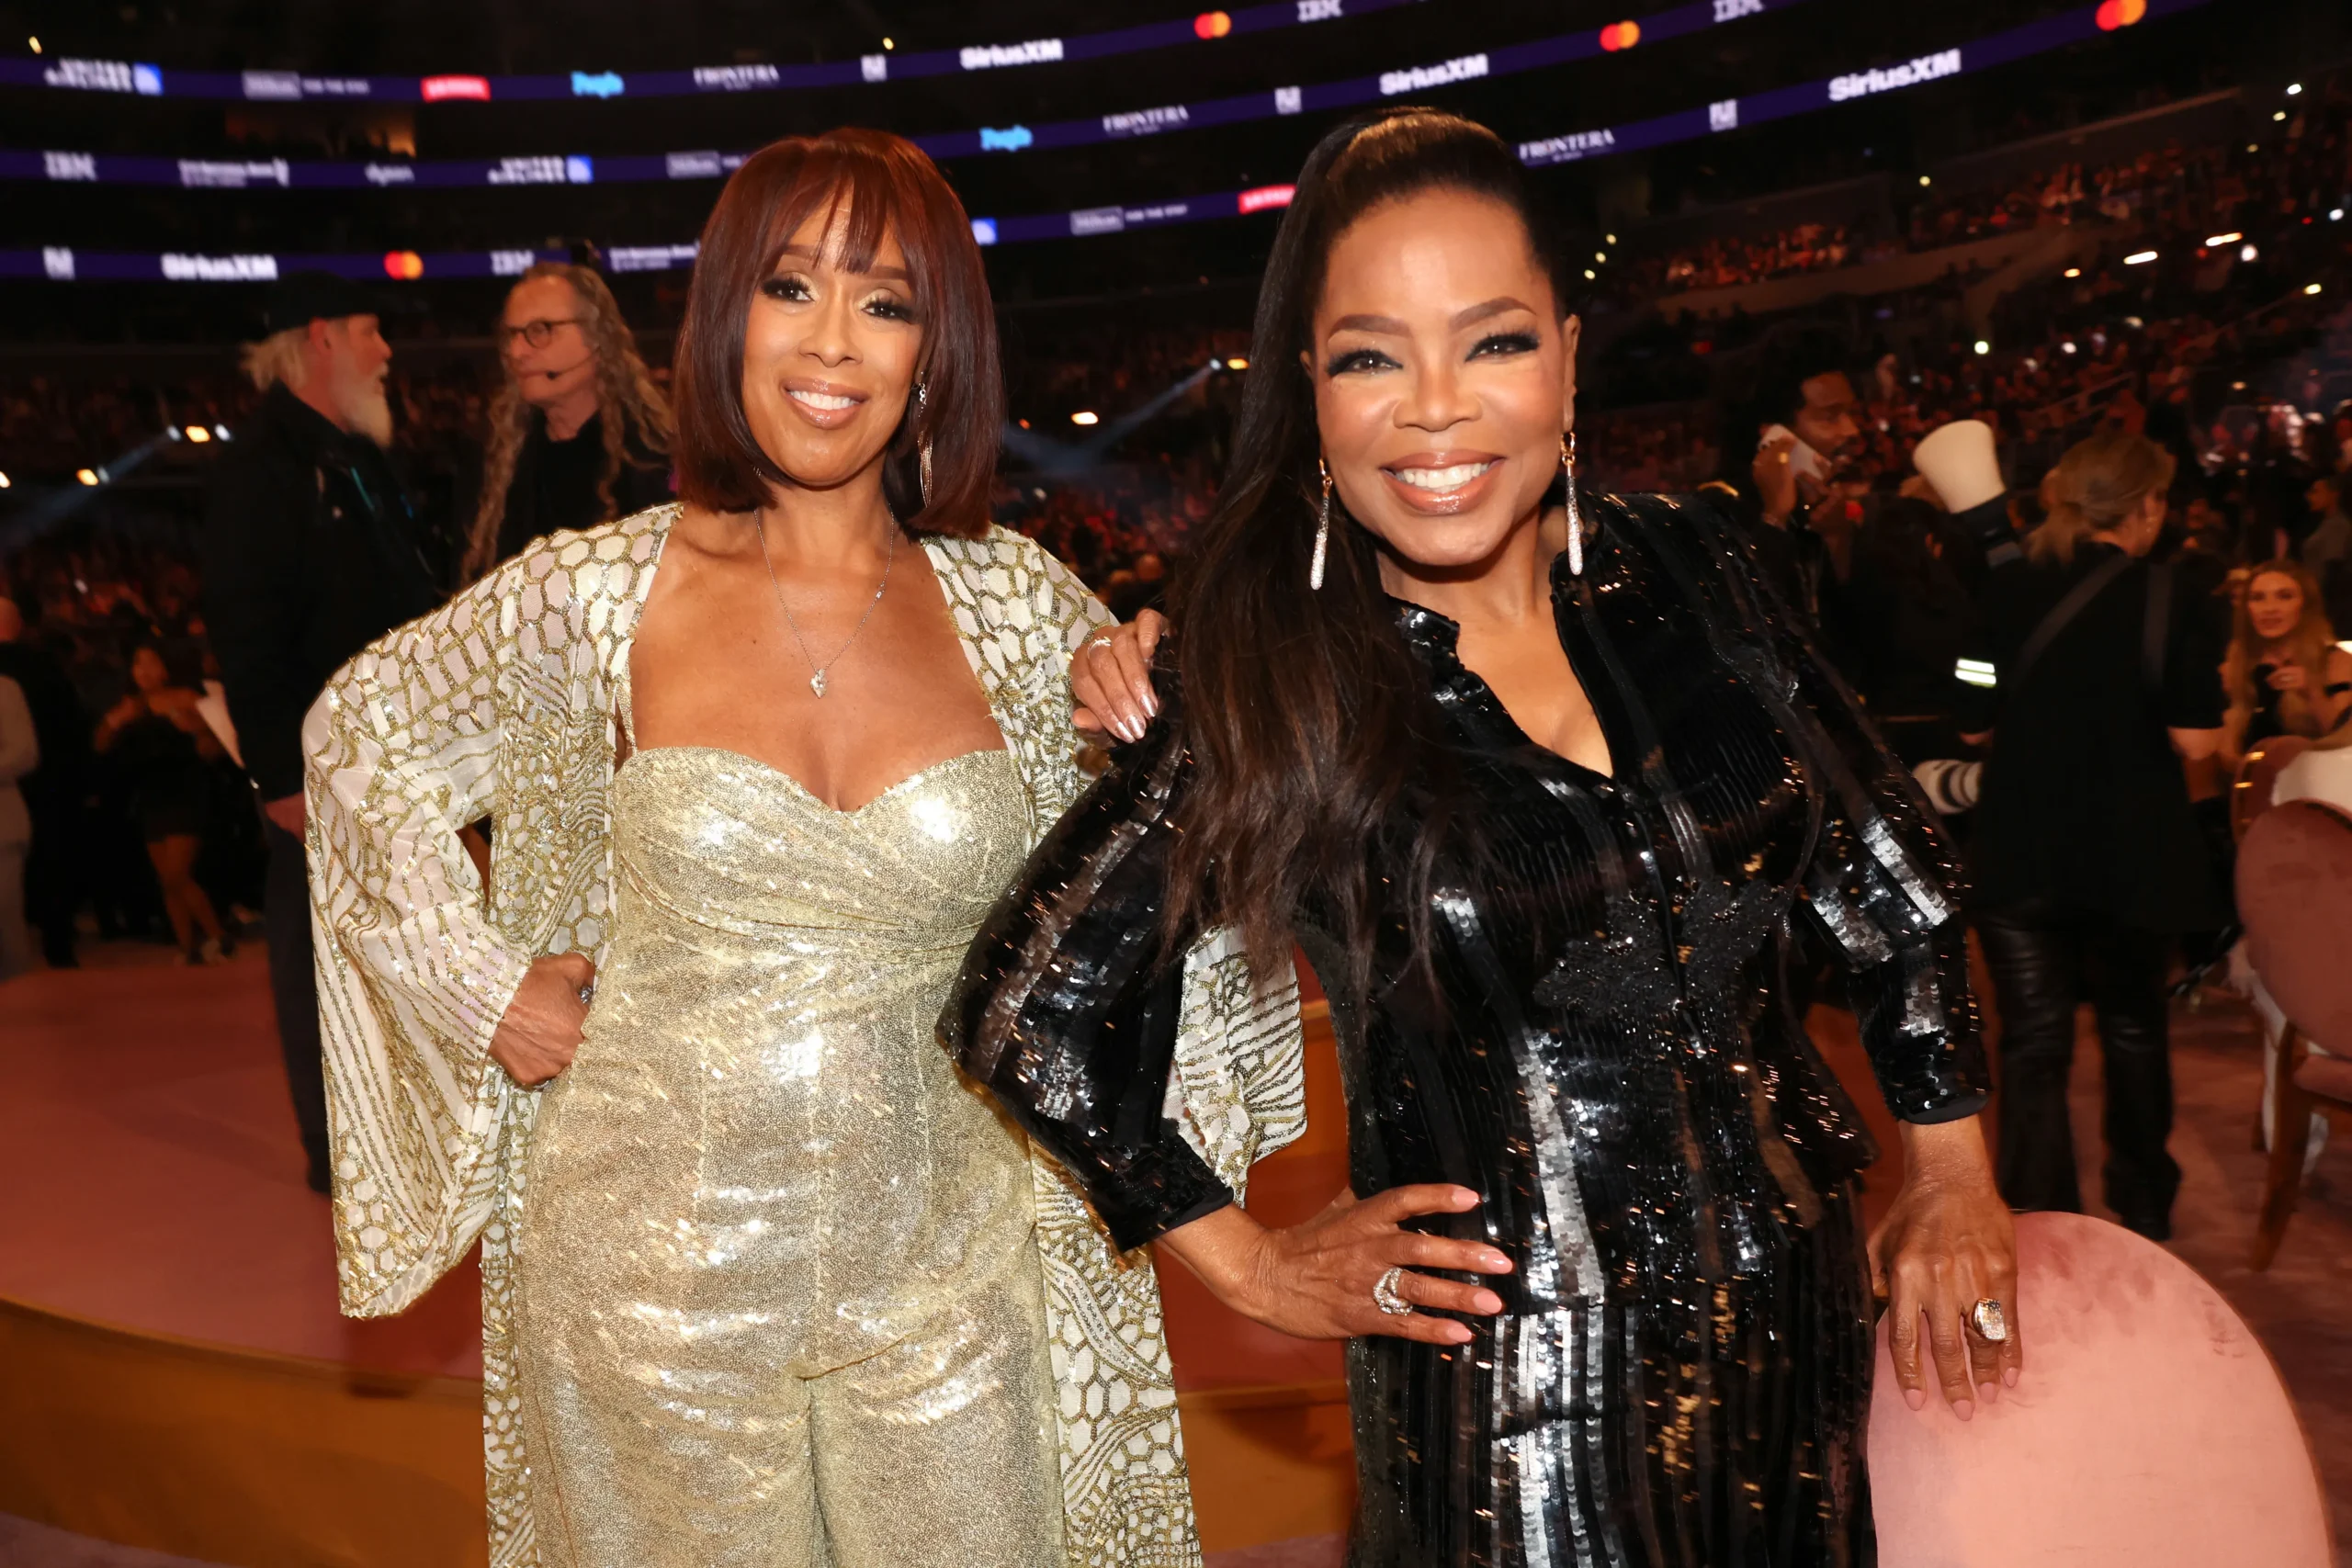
[
  {"x": 310, "y": 552},
  {"x": 579, "y": 432}
]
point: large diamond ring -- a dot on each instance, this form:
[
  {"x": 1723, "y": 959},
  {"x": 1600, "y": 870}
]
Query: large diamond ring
[
  {"x": 1992, "y": 1325},
  {"x": 1385, "y": 1296}
]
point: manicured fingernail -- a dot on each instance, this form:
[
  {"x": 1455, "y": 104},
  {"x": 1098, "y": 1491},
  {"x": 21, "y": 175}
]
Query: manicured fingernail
[
  {"x": 1151, "y": 704},
  {"x": 1991, "y": 1392},
  {"x": 2009, "y": 1376},
  {"x": 1489, "y": 1302},
  {"x": 1916, "y": 1398},
  {"x": 1497, "y": 1261},
  {"x": 1458, "y": 1335},
  {"x": 1963, "y": 1408}
]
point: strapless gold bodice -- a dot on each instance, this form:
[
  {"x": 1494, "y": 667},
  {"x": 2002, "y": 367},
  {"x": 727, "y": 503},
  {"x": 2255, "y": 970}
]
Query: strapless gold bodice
[{"x": 762, "y": 1170}]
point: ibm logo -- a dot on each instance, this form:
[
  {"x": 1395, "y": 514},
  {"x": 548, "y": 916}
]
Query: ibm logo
[
  {"x": 874, "y": 67},
  {"x": 1320, "y": 10},
  {"x": 1724, "y": 116},
  {"x": 70, "y": 165},
  {"x": 1733, "y": 10},
  {"x": 57, "y": 262},
  {"x": 1286, "y": 100}
]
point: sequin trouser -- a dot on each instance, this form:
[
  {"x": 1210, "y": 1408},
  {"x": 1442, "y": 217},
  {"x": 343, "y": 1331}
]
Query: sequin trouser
[{"x": 780, "y": 1301}]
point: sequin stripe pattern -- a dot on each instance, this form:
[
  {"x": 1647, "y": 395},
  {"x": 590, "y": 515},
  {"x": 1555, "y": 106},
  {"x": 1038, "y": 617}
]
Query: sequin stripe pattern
[
  {"x": 420, "y": 733},
  {"x": 1239, "y": 1055}
]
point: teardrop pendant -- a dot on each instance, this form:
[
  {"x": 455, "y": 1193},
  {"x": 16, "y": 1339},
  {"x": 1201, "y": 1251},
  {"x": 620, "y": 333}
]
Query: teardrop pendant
[{"x": 817, "y": 683}]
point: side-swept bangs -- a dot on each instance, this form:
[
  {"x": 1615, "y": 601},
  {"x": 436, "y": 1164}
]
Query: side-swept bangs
[{"x": 882, "y": 184}]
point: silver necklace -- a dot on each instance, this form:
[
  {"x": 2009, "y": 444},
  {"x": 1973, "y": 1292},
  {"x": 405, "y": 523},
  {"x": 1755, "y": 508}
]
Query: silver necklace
[{"x": 817, "y": 671}]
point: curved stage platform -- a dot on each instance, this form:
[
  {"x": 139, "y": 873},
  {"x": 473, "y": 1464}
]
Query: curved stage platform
[{"x": 174, "y": 1375}]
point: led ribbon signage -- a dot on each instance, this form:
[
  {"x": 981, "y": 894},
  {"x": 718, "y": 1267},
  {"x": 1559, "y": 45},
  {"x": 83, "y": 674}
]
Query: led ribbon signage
[
  {"x": 214, "y": 173},
  {"x": 2078, "y": 26},
  {"x": 277, "y": 87}
]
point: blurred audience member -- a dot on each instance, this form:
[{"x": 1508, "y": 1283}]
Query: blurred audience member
[
  {"x": 579, "y": 431},
  {"x": 2284, "y": 673},
  {"x": 2087, "y": 857},
  {"x": 53, "y": 792},
  {"x": 310, "y": 553},
  {"x": 2326, "y": 552},
  {"x": 19, "y": 755},
  {"x": 1783, "y": 446},
  {"x": 160, "y": 743}
]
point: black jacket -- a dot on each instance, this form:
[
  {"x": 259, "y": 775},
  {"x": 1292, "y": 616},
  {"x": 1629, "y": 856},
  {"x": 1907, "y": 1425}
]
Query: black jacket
[{"x": 310, "y": 553}]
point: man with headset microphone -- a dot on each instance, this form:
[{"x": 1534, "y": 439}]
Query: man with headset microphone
[{"x": 579, "y": 431}]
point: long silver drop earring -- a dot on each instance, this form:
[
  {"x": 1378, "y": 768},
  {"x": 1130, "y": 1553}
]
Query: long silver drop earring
[
  {"x": 1576, "y": 519},
  {"x": 1322, "y": 530},
  {"x": 922, "y": 453}
]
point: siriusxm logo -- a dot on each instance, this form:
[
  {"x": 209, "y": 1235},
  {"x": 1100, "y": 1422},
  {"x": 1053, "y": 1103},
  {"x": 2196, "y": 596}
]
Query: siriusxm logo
[
  {"x": 1011, "y": 139},
  {"x": 984, "y": 230},
  {"x": 1862, "y": 83},
  {"x": 1422, "y": 77},
  {"x": 988, "y": 57},
  {"x": 218, "y": 269},
  {"x": 596, "y": 84},
  {"x": 1098, "y": 220},
  {"x": 694, "y": 166}
]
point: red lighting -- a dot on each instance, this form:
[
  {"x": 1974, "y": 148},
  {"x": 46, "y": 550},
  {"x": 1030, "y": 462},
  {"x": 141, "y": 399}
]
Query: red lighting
[
  {"x": 1264, "y": 197},
  {"x": 1212, "y": 24},
  {"x": 436, "y": 89},
  {"x": 405, "y": 265},
  {"x": 2114, "y": 14},
  {"x": 1626, "y": 35}
]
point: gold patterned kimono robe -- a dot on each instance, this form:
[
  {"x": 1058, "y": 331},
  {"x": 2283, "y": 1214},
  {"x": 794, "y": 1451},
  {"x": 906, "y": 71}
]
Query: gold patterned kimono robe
[{"x": 501, "y": 704}]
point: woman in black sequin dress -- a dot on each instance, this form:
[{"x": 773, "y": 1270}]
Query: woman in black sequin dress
[{"x": 1548, "y": 804}]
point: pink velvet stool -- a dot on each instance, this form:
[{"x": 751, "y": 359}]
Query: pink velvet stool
[{"x": 2149, "y": 1429}]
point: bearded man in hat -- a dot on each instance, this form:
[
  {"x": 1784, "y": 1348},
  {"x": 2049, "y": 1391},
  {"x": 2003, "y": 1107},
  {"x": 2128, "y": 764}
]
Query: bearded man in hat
[{"x": 310, "y": 553}]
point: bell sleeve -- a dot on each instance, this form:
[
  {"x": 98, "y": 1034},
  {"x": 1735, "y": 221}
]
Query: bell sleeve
[
  {"x": 1155, "y": 1075},
  {"x": 402, "y": 749}
]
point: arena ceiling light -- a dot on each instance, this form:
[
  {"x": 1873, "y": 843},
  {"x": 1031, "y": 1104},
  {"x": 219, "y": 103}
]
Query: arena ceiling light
[
  {"x": 4, "y": 482},
  {"x": 1982, "y": 347},
  {"x": 2248, "y": 252},
  {"x": 2136, "y": 257},
  {"x": 2232, "y": 238},
  {"x": 2073, "y": 272},
  {"x": 1086, "y": 416},
  {"x": 2310, "y": 288},
  {"x": 86, "y": 476},
  {"x": 198, "y": 434}
]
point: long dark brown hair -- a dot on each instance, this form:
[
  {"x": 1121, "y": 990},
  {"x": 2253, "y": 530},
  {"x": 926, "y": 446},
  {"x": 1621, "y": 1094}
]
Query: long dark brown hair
[{"x": 1308, "y": 718}]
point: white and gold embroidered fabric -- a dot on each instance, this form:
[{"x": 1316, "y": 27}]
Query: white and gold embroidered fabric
[{"x": 502, "y": 704}]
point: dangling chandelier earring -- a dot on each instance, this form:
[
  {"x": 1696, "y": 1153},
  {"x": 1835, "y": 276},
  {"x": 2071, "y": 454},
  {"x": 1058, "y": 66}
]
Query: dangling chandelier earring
[
  {"x": 1576, "y": 520},
  {"x": 1322, "y": 529},
  {"x": 923, "y": 457}
]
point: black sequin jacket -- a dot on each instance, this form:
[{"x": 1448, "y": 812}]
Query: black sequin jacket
[{"x": 1611, "y": 1059}]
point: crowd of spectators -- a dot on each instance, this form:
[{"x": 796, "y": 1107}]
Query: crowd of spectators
[{"x": 2218, "y": 352}]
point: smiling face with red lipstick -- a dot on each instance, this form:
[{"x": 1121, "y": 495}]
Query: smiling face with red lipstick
[{"x": 1444, "y": 376}]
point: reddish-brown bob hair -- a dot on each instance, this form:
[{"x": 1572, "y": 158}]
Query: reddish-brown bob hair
[{"x": 884, "y": 185}]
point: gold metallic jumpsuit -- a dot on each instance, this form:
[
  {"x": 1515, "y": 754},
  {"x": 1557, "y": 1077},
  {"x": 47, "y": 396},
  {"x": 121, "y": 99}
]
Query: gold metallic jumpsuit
[{"x": 780, "y": 1293}]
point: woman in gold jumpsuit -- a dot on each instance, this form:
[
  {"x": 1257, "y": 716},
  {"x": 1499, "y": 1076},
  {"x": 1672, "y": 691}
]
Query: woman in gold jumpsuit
[{"x": 765, "y": 1281}]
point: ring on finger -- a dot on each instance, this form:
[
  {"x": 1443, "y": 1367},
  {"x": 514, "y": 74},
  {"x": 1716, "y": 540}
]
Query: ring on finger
[
  {"x": 1385, "y": 1296},
  {"x": 1992, "y": 1325}
]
